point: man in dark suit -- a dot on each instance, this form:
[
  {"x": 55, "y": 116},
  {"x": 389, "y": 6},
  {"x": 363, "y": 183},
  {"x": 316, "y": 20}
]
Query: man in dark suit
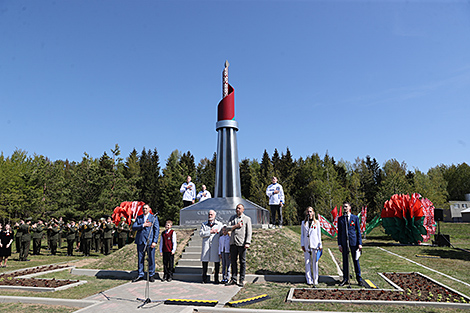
[
  {"x": 349, "y": 239},
  {"x": 147, "y": 228}
]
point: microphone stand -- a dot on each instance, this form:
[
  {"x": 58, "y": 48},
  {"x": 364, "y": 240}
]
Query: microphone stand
[{"x": 147, "y": 299}]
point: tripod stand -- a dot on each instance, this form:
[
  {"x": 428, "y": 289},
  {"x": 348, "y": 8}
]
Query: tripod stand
[{"x": 148, "y": 250}]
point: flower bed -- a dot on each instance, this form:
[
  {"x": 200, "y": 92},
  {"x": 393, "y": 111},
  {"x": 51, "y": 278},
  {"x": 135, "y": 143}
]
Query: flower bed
[
  {"x": 414, "y": 287},
  {"x": 13, "y": 278}
]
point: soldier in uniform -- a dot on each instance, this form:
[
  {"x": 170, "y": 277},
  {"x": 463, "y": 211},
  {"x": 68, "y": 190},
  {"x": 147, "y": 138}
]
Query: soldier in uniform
[
  {"x": 38, "y": 233},
  {"x": 98, "y": 236},
  {"x": 16, "y": 227},
  {"x": 108, "y": 230},
  {"x": 70, "y": 233},
  {"x": 25, "y": 241},
  {"x": 54, "y": 231},
  {"x": 87, "y": 236},
  {"x": 61, "y": 226},
  {"x": 132, "y": 232},
  {"x": 123, "y": 232}
]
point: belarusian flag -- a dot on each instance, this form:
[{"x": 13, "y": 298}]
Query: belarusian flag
[
  {"x": 363, "y": 219},
  {"x": 326, "y": 227}
]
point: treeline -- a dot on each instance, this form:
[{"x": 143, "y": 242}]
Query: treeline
[{"x": 34, "y": 186}]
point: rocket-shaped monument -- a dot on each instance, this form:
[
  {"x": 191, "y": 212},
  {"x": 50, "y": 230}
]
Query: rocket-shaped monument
[{"x": 227, "y": 193}]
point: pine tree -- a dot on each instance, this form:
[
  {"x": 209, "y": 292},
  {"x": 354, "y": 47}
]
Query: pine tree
[
  {"x": 171, "y": 181},
  {"x": 149, "y": 182},
  {"x": 205, "y": 174}
]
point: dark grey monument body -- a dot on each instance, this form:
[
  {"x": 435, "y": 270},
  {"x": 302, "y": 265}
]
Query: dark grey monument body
[{"x": 227, "y": 193}]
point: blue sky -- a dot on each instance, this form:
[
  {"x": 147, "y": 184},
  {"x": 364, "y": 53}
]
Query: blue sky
[{"x": 389, "y": 79}]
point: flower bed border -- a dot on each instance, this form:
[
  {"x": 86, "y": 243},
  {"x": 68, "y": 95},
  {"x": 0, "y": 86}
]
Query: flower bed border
[
  {"x": 41, "y": 289},
  {"x": 290, "y": 296}
]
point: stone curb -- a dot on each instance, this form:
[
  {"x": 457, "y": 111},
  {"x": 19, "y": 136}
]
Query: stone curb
[
  {"x": 46, "y": 272},
  {"x": 49, "y": 301},
  {"x": 128, "y": 275},
  {"x": 238, "y": 310},
  {"x": 290, "y": 297},
  {"x": 43, "y": 289}
]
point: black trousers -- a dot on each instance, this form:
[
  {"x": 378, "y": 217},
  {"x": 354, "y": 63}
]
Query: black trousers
[
  {"x": 37, "y": 246},
  {"x": 121, "y": 242},
  {"x": 54, "y": 247},
  {"x": 238, "y": 253},
  {"x": 205, "y": 277},
  {"x": 276, "y": 208},
  {"x": 187, "y": 203},
  {"x": 86, "y": 246},
  {"x": 168, "y": 265},
  {"x": 70, "y": 246},
  {"x": 357, "y": 267},
  {"x": 108, "y": 242},
  {"x": 24, "y": 249}
]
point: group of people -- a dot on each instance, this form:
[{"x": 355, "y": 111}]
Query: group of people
[
  {"x": 349, "y": 241},
  {"x": 228, "y": 243},
  {"x": 188, "y": 189},
  {"x": 84, "y": 236},
  {"x": 217, "y": 246},
  {"x": 147, "y": 232},
  {"x": 221, "y": 243}
]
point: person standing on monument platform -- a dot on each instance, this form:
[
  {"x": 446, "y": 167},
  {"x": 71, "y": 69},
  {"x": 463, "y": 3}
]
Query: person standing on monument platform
[
  {"x": 210, "y": 246},
  {"x": 349, "y": 239},
  {"x": 240, "y": 241},
  {"x": 188, "y": 189},
  {"x": 276, "y": 201},
  {"x": 203, "y": 194}
]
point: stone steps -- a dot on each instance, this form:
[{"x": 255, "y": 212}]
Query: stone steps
[{"x": 190, "y": 264}]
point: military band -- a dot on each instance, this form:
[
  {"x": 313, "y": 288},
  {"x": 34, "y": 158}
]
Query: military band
[{"x": 85, "y": 236}]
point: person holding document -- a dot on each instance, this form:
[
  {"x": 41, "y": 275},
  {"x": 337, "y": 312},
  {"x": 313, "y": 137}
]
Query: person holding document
[
  {"x": 349, "y": 239},
  {"x": 310, "y": 240}
]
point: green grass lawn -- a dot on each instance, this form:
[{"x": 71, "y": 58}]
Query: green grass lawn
[{"x": 451, "y": 262}]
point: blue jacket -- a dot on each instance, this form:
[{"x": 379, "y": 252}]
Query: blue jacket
[
  {"x": 353, "y": 231},
  {"x": 143, "y": 232}
]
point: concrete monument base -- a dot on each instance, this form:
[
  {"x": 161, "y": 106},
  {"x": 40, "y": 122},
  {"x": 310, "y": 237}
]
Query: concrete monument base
[{"x": 196, "y": 214}]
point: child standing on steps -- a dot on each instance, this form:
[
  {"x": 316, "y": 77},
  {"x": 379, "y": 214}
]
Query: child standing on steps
[
  {"x": 167, "y": 250},
  {"x": 224, "y": 254}
]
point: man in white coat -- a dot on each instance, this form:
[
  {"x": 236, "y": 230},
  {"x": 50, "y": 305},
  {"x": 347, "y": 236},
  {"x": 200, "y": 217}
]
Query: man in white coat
[{"x": 210, "y": 246}]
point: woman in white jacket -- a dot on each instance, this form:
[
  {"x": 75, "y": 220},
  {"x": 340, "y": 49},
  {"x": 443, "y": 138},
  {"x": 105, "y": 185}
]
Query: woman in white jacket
[{"x": 310, "y": 240}]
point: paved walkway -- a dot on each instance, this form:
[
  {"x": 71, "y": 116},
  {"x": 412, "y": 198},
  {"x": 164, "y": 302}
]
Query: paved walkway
[{"x": 124, "y": 298}]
